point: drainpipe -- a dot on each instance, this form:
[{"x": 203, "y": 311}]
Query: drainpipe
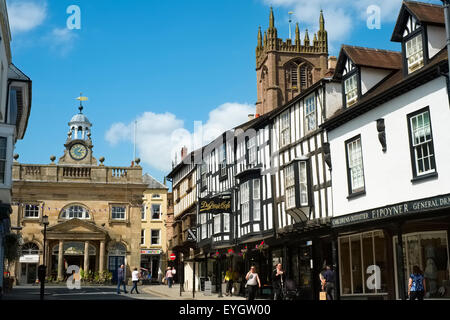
[{"x": 446, "y": 4}]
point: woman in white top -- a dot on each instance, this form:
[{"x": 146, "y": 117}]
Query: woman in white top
[
  {"x": 253, "y": 283},
  {"x": 135, "y": 279}
]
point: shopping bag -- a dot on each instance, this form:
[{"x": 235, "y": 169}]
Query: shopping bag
[{"x": 323, "y": 295}]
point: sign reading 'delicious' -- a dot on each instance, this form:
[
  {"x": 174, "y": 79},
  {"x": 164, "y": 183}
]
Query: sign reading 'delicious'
[
  {"x": 215, "y": 205},
  {"x": 439, "y": 202}
]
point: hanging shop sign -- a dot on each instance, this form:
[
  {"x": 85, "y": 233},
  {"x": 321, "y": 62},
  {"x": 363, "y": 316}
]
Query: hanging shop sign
[
  {"x": 397, "y": 210},
  {"x": 215, "y": 205}
]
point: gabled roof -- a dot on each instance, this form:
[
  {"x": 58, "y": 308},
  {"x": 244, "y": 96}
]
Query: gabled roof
[
  {"x": 425, "y": 13},
  {"x": 367, "y": 57},
  {"x": 152, "y": 183},
  {"x": 391, "y": 87},
  {"x": 15, "y": 73}
]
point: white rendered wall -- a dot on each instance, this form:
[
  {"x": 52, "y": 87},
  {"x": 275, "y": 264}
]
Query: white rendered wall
[
  {"x": 436, "y": 40},
  {"x": 388, "y": 175},
  {"x": 371, "y": 77}
]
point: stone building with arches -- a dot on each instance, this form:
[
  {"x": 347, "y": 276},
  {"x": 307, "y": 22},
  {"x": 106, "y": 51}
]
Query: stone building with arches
[{"x": 94, "y": 210}]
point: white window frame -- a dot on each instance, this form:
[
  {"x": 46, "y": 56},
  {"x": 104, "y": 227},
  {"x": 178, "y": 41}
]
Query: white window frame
[
  {"x": 414, "y": 53},
  {"x": 310, "y": 112},
  {"x": 151, "y": 237},
  {"x": 285, "y": 129},
  {"x": 144, "y": 211},
  {"x": 355, "y": 165},
  {"x": 351, "y": 89},
  {"x": 223, "y": 160},
  {"x": 289, "y": 183},
  {"x": 36, "y": 206},
  {"x": 226, "y": 223},
  {"x": 142, "y": 237},
  {"x": 118, "y": 207},
  {"x": 217, "y": 224},
  {"x": 251, "y": 149},
  {"x": 84, "y": 213},
  {"x": 160, "y": 211},
  {"x": 204, "y": 225},
  {"x": 156, "y": 196},
  {"x": 303, "y": 183},
  {"x": 420, "y": 133},
  {"x": 245, "y": 202},
  {"x": 256, "y": 200}
]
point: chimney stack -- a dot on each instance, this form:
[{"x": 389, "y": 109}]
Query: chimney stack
[
  {"x": 332, "y": 62},
  {"x": 184, "y": 152}
]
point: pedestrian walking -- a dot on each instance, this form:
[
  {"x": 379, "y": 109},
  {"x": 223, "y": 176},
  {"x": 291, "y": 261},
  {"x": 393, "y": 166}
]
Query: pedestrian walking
[
  {"x": 417, "y": 285},
  {"x": 328, "y": 278},
  {"x": 253, "y": 283},
  {"x": 229, "y": 280},
  {"x": 174, "y": 272},
  {"x": 121, "y": 279},
  {"x": 169, "y": 277},
  {"x": 135, "y": 278},
  {"x": 278, "y": 279}
]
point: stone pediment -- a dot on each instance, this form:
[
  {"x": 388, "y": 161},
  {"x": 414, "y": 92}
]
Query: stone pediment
[{"x": 76, "y": 229}]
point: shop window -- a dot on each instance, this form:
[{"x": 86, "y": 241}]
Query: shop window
[
  {"x": 428, "y": 251},
  {"x": 362, "y": 262},
  {"x": 31, "y": 211}
]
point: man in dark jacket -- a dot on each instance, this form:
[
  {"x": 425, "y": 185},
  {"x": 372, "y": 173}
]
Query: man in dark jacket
[
  {"x": 329, "y": 277},
  {"x": 121, "y": 279},
  {"x": 278, "y": 279}
]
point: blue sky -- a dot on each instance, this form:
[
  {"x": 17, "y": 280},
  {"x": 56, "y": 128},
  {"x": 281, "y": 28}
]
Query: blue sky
[{"x": 165, "y": 63}]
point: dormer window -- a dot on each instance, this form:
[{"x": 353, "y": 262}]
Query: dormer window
[
  {"x": 414, "y": 53},
  {"x": 351, "y": 90}
]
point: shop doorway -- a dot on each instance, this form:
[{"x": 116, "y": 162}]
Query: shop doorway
[{"x": 28, "y": 274}]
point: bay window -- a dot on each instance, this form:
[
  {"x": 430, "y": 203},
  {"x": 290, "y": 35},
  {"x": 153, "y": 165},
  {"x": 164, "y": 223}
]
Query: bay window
[
  {"x": 296, "y": 184},
  {"x": 256, "y": 200},
  {"x": 226, "y": 222}
]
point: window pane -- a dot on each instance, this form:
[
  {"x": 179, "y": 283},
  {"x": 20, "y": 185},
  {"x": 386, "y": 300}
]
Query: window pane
[
  {"x": 356, "y": 264},
  {"x": 345, "y": 268},
  {"x": 303, "y": 183},
  {"x": 256, "y": 190}
]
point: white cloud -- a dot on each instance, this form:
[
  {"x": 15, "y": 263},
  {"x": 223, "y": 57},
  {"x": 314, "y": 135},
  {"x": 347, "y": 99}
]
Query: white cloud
[
  {"x": 342, "y": 17},
  {"x": 26, "y": 15},
  {"x": 62, "y": 40},
  {"x": 160, "y": 136}
]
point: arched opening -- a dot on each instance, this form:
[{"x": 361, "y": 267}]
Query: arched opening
[
  {"x": 298, "y": 75},
  {"x": 29, "y": 260},
  {"x": 116, "y": 257}
]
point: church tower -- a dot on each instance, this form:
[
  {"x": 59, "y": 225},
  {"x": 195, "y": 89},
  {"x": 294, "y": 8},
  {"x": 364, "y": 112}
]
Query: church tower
[{"x": 284, "y": 69}]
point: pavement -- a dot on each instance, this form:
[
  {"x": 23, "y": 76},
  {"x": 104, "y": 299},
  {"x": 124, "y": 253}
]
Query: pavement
[
  {"x": 85, "y": 293},
  {"x": 163, "y": 291}
]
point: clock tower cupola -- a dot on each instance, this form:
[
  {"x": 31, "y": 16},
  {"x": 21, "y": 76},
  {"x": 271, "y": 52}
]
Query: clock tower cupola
[{"x": 78, "y": 146}]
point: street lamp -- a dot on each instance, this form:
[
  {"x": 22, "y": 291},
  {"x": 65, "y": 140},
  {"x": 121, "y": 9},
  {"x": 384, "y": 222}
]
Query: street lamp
[{"x": 42, "y": 272}]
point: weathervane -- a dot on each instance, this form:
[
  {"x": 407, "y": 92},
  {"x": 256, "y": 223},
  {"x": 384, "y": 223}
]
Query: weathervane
[{"x": 81, "y": 99}]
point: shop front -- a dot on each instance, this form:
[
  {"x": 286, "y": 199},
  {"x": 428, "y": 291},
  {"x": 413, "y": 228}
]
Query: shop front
[
  {"x": 151, "y": 261},
  {"x": 379, "y": 248}
]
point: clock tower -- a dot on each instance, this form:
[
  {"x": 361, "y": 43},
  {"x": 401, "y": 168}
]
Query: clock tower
[{"x": 79, "y": 144}]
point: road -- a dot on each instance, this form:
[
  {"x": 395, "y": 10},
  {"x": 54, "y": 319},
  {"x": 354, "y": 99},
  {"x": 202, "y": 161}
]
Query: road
[{"x": 86, "y": 293}]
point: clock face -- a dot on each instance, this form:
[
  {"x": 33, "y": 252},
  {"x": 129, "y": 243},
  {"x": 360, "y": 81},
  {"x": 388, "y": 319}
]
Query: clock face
[{"x": 78, "y": 151}]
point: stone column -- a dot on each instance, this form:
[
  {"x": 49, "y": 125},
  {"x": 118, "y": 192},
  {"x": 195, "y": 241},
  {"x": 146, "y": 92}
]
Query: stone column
[
  {"x": 86, "y": 256},
  {"x": 61, "y": 260},
  {"x": 101, "y": 263}
]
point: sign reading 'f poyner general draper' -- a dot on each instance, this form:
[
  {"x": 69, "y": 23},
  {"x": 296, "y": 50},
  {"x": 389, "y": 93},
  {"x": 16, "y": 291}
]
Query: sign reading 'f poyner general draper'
[
  {"x": 435, "y": 203},
  {"x": 215, "y": 205}
]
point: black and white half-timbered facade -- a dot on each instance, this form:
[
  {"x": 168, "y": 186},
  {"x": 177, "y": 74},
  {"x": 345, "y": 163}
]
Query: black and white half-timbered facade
[{"x": 390, "y": 160}]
